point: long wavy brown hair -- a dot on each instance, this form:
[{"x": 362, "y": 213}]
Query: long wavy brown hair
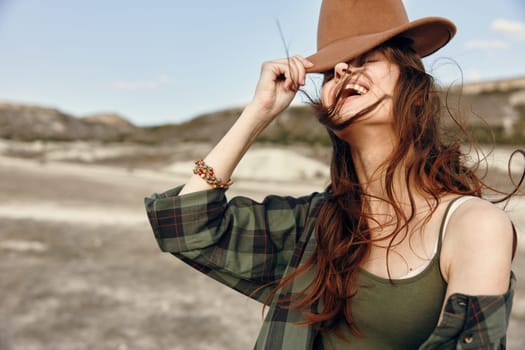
[{"x": 433, "y": 169}]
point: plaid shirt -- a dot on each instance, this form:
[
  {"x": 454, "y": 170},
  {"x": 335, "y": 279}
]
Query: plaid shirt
[{"x": 246, "y": 245}]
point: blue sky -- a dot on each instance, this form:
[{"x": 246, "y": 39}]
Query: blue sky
[{"x": 165, "y": 61}]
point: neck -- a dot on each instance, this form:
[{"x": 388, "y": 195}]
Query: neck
[
  {"x": 371, "y": 149},
  {"x": 371, "y": 152}
]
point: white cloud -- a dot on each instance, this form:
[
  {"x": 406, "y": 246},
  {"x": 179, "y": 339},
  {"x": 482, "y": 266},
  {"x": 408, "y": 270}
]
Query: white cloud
[
  {"x": 512, "y": 28},
  {"x": 141, "y": 84},
  {"x": 486, "y": 44}
]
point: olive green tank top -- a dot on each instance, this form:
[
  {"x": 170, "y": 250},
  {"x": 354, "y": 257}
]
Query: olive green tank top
[{"x": 399, "y": 315}]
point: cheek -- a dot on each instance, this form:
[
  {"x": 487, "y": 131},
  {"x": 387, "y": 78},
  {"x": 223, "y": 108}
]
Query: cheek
[
  {"x": 387, "y": 76},
  {"x": 326, "y": 95},
  {"x": 394, "y": 77}
]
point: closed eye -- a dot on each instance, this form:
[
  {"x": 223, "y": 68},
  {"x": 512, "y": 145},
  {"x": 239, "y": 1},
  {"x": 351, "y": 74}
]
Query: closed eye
[{"x": 368, "y": 60}]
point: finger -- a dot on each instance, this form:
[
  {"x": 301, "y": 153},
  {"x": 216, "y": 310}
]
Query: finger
[
  {"x": 300, "y": 66},
  {"x": 305, "y": 63},
  {"x": 294, "y": 72},
  {"x": 290, "y": 71},
  {"x": 274, "y": 71},
  {"x": 285, "y": 73},
  {"x": 294, "y": 76}
]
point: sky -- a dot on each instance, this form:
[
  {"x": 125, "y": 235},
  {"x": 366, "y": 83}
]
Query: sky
[{"x": 167, "y": 61}]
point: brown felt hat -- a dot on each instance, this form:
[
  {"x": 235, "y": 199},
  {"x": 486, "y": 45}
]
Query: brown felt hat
[{"x": 349, "y": 28}]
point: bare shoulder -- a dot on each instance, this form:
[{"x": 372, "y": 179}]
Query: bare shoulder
[
  {"x": 479, "y": 222},
  {"x": 477, "y": 249}
]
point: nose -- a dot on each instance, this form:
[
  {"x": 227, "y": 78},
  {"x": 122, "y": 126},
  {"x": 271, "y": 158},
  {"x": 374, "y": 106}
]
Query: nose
[{"x": 341, "y": 69}]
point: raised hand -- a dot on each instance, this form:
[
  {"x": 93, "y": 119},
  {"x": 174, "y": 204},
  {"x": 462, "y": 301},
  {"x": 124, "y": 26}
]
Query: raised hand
[{"x": 278, "y": 83}]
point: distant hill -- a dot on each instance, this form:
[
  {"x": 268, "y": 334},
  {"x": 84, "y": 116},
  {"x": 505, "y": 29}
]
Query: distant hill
[
  {"x": 500, "y": 104},
  {"x": 297, "y": 123},
  {"x": 28, "y": 123},
  {"x": 110, "y": 120}
]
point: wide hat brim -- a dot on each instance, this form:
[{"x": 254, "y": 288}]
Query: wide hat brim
[{"x": 428, "y": 34}]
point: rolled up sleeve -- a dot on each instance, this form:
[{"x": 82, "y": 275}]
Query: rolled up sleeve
[
  {"x": 473, "y": 322},
  {"x": 242, "y": 243}
]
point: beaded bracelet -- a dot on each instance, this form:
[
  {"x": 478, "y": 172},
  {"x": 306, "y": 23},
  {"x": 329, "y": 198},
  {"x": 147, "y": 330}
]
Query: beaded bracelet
[{"x": 207, "y": 174}]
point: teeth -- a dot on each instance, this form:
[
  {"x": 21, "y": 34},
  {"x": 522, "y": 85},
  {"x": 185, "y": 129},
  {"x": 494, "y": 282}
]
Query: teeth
[{"x": 358, "y": 88}]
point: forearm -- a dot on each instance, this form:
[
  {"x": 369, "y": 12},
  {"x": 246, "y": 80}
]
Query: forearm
[
  {"x": 277, "y": 86},
  {"x": 225, "y": 156}
]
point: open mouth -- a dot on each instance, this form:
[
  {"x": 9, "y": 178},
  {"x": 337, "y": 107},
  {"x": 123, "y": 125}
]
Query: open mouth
[{"x": 353, "y": 89}]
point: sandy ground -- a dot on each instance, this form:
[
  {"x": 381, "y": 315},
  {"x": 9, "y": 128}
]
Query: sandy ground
[{"x": 79, "y": 268}]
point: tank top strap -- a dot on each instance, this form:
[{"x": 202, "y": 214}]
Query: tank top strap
[{"x": 452, "y": 207}]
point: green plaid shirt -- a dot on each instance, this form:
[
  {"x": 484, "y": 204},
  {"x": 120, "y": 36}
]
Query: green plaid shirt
[{"x": 246, "y": 245}]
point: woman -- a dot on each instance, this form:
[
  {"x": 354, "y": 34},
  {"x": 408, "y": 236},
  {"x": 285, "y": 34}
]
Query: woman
[{"x": 400, "y": 252}]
